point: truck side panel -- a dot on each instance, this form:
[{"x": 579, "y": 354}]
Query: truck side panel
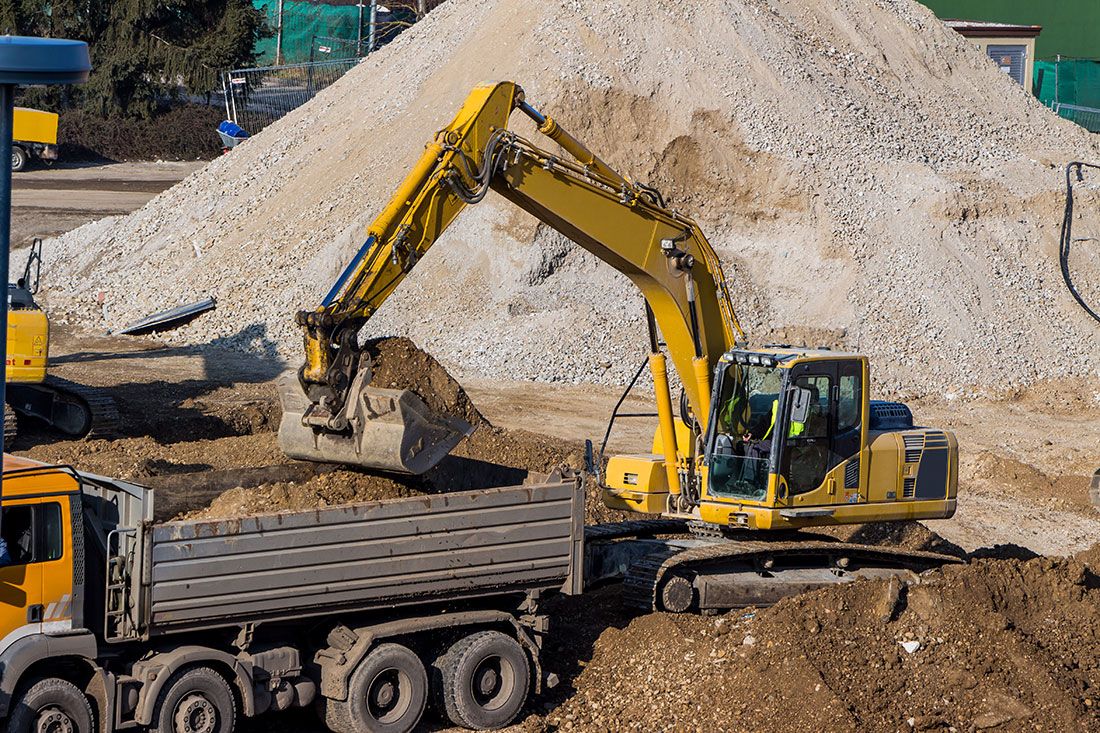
[{"x": 441, "y": 547}]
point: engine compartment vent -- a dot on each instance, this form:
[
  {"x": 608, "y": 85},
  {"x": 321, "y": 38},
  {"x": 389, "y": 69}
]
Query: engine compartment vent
[
  {"x": 890, "y": 416},
  {"x": 851, "y": 474},
  {"x": 914, "y": 446},
  {"x": 909, "y": 488}
]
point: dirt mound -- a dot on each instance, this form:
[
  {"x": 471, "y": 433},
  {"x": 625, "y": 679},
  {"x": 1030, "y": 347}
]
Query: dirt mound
[
  {"x": 836, "y": 153},
  {"x": 998, "y": 644},
  {"x": 397, "y": 363},
  {"x": 490, "y": 457},
  {"x": 139, "y": 459}
]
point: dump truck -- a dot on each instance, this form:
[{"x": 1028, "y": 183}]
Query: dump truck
[
  {"x": 114, "y": 619},
  {"x": 34, "y": 135}
]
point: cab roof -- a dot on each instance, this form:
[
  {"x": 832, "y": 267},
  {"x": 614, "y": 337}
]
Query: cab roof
[
  {"x": 25, "y": 477},
  {"x": 19, "y": 463},
  {"x": 782, "y": 355}
]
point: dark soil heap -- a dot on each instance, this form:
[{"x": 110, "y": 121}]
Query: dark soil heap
[
  {"x": 997, "y": 644},
  {"x": 397, "y": 363}
]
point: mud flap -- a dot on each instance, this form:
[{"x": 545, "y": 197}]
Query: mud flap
[{"x": 391, "y": 430}]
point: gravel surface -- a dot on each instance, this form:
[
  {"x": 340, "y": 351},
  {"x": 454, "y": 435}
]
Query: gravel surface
[{"x": 870, "y": 179}]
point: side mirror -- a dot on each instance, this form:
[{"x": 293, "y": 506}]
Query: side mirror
[{"x": 800, "y": 408}]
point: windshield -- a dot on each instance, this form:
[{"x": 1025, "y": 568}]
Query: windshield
[{"x": 739, "y": 449}]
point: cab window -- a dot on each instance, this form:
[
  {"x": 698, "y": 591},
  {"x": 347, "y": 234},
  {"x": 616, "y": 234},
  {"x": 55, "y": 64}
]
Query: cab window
[
  {"x": 850, "y": 400},
  {"x": 32, "y": 533}
]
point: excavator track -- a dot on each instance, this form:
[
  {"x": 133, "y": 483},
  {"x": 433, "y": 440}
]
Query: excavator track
[
  {"x": 676, "y": 579},
  {"x": 74, "y": 410},
  {"x": 102, "y": 407},
  {"x": 11, "y": 426}
]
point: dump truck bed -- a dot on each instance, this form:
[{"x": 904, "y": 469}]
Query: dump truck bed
[{"x": 190, "y": 575}]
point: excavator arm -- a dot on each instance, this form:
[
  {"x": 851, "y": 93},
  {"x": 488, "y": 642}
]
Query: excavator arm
[{"x": 333, "y": 412}]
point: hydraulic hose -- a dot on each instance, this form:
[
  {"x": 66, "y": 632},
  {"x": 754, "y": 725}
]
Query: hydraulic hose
[{"x": 1066, "y": 236}]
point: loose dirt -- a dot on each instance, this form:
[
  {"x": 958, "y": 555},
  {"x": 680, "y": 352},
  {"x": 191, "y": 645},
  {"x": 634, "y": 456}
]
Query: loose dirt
[
  {"x": 998, "y": 644},
  {"x": 397, "y": 363}
]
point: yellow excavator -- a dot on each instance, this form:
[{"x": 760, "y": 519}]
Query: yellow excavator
[
  {"x": 64, "y": 407},
  {"x": 766, "y": 440}
]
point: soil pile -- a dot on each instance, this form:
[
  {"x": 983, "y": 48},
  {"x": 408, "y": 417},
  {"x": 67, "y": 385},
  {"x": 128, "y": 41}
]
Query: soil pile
[
  {"x": 997, "y": 644},
  {"x": 488, "y": 458},
  {"x": 397, "y": 363},
  {"x": 869, "y": 177}
]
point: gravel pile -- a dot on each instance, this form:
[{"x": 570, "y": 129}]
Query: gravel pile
[{"x": 870, "y": 179}]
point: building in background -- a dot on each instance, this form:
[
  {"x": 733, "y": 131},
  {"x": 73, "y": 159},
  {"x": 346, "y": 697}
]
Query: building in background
[
  {"x": 1012, "y": 47},
  {"x": 1071, "y": 28},
  {"x": 1065, "y": 61}
]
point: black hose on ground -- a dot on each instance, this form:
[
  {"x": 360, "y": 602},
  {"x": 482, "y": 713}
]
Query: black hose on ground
[{"x": 1066, "y": 236}]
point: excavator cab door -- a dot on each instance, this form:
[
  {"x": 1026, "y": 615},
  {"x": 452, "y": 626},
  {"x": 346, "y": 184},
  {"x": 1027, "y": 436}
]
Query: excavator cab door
[{"x": 821, "y": 429}]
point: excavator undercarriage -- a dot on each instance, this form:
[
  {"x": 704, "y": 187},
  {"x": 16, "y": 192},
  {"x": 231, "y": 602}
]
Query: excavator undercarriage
[{"x": 665, "y": 568}]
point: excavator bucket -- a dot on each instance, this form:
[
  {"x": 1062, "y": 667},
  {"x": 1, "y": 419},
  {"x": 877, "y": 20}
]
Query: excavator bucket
[{"x": 392, "y": 430}]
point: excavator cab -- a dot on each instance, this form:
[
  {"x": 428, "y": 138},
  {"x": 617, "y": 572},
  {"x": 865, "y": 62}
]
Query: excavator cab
[{"x": 794, "y": 441}]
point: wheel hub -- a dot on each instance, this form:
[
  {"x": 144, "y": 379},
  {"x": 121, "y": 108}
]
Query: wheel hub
[
  {"x": 53, "y": 720},
  {"x": 387, "y": 696},
  {"x": 195, "y": 714},
  {"x": 488, "y": 681}
]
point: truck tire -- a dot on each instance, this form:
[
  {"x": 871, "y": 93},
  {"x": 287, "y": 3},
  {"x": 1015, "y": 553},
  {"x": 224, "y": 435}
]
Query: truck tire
[
  {"x": 387, "y": 693},
  {"x": 196, "y": 700},
  {"x": 51, "y": 705},
  {"x": 19, "y": 158},
  {"x": 485, "y": 680}
]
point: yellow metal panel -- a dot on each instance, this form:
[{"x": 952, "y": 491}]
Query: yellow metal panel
[
  {"x": 636, "y": 483},
  {"x": 24, "y": 477},
  {"x": 57, "y": 575},
  {"x": 757, "y": 517},
  {"x": 34, "y": 126},
  {"x": 28, "y": 346}
]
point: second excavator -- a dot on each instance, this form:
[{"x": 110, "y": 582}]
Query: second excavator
[{"x": 766, "y": 439}]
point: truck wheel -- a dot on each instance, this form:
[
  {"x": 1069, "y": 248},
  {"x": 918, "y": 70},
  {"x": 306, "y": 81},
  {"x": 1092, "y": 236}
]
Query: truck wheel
[
  {"x": 486, "y": 677},
  {"x": 51, "y": 706},
  {"x": 387, "y": 693},
  {"x": 198, "y": 700},
  {"x": 19, "y": 158}
]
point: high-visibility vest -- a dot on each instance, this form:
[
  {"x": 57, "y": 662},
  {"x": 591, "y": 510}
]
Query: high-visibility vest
[{"x": 797, "y": 428}]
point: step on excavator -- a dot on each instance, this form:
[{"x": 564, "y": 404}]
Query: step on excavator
[
  {"x": 767, "y": 441},
  {"x": 66, "y": 408}
]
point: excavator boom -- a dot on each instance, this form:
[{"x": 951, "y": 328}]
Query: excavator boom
[{"x": 333, "y": 414}]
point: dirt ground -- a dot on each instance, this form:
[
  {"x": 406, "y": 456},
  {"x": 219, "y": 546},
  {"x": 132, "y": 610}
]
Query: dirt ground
[
  {"x": 47, "y": 201},
  {"x": 1006, "y": 643},
  {"x": 1026, "y": 461}
]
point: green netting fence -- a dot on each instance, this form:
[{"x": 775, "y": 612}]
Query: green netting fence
[
  {"x": 324, "y": 31},
  {"x": 1071, "y": 87}
]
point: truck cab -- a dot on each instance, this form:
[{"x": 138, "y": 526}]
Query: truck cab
[{"x": 793, "y": 440}]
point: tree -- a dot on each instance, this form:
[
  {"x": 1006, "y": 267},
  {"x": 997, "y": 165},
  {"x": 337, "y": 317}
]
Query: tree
[{"x": 143, "y": 51}]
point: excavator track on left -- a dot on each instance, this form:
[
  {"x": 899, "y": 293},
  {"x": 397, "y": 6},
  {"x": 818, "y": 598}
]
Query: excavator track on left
[{"x": 74, "y": 410}]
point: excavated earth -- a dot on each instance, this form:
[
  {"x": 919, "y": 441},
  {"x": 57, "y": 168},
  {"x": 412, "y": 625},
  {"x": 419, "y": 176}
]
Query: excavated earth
[{"x": 1007, "y": 643}]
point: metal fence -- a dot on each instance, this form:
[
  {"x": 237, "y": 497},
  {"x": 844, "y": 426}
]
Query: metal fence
[{"x": 254, "y": 98}]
